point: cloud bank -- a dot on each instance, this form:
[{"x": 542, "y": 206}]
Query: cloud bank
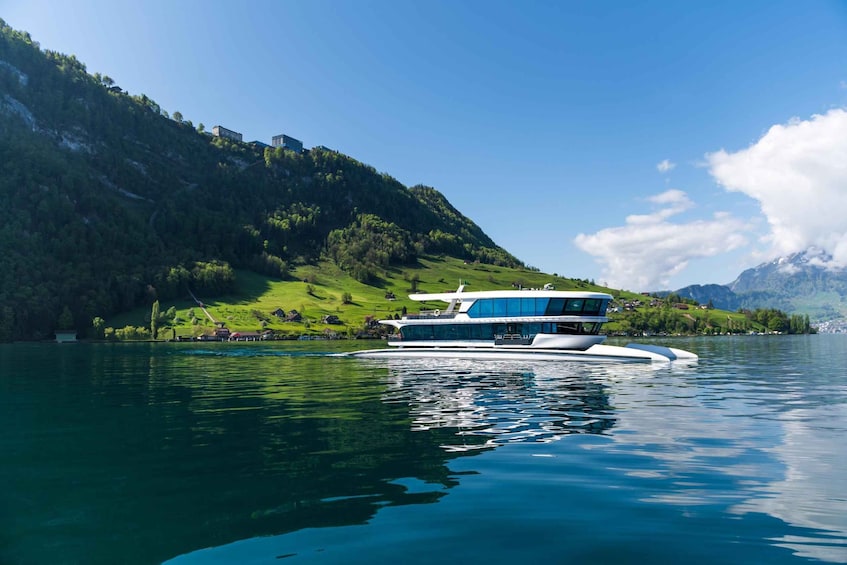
[
  {"x": 645, "y": 253},
  {"x": 798, "y": 174}
]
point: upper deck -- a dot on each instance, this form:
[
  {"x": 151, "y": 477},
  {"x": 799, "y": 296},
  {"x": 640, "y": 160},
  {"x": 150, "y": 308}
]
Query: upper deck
[{"x": 503, "y": 304}]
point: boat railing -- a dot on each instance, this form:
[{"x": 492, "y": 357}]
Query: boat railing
[{"x": 429, "y": 314}]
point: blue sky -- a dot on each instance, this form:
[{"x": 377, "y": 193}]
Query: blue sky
[{"x": 647, "y": 145}]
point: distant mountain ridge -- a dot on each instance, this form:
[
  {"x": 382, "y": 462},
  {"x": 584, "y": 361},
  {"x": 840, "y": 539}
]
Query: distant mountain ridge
[{"x": 802, "y": 283}]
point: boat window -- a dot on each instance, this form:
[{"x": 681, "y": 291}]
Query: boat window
[
  {"x": 574, "y": 306},
  {"x": 450, "y": 332},
  {"x": 483, "y": 308},
  {"x": 532, "y": 329},
  {"x": 481, "y": 331},
  {"x": 415, "y": 333},
  {"x": 592, "y": 306},
  {"x": 513, "y": 307},
  {"x": 525, "y": 306},
  {"x": 555, "y": 307},
  {"x": 590, "y": 328}
]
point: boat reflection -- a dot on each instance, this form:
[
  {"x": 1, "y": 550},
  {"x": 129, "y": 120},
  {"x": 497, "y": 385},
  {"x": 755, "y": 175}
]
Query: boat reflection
[{"x": 490, "y": 403}]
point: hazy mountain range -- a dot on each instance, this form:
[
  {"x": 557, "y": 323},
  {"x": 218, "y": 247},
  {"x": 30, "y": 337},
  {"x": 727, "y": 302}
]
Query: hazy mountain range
[{"x": 802, "y": 283}]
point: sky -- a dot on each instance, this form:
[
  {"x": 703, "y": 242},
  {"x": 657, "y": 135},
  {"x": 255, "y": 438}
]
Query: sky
[{"x": 643, "y": 145}]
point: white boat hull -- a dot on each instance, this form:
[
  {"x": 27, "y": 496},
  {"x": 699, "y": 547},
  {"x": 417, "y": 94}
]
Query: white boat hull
[{"x": 630, "y": 353}]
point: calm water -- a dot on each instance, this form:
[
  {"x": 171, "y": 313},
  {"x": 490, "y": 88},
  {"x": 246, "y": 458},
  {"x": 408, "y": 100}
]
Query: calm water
[{"x": 196, "y": 454}]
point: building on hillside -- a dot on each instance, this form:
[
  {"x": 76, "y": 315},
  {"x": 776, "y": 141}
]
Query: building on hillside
[
  {"x": 293, "y": 316},
  {"x": 259, "y": 144},
  {"x": 220, "y": 131},
  {"x": 287, "y": 142}
]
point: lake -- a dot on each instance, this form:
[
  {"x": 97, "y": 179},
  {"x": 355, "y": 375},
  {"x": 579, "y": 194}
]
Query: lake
[{"x": 280, "y": 452}]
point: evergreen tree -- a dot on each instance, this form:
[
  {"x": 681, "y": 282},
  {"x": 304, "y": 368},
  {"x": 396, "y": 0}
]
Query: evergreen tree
[
  {"x": 154, "y": 320},
  {"x": 66, "y": 320}
]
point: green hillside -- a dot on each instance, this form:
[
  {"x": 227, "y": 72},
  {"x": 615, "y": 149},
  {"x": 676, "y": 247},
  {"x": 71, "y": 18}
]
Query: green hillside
[
  {"x": 258, "y": 297},
  {"x": 111, "y": 203}
]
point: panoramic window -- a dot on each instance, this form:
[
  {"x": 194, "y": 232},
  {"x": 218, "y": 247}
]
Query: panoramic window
[
  {"x": 481, "y": 309},
  {"x": 526, "y": 306},
  {"x": 574, "y": 306},
  {"x": 592, "y": 306},
  {"x": 555, "y": 307}
]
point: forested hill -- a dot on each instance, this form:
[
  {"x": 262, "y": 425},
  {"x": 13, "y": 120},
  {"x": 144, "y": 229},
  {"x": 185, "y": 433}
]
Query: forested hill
[{"x": 108, "y": 202}]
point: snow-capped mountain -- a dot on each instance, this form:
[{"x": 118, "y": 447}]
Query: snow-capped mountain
[{"x": 807, "y": 282}]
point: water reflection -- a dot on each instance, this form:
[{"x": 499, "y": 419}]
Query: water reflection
[
  {"x": 758, "y": 431},
  {"x": 496, "y": 403},
  {"x": 141, "y": 453}
]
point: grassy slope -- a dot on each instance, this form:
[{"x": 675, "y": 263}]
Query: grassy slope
[{"x": 259, "y": 296}]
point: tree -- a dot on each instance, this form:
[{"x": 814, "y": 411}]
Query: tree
[
  {"x": 99, "y": 326},
  {"x": 346, "y": 298},
  {"x": 154, "y": 320},
  {"x": 66, "y": 319},
  {"x": 177, "y": 116}
]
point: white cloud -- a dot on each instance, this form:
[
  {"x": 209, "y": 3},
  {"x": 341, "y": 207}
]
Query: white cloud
[
  {"x": 676, "y": 200},
  {"x": 645, "y": 253},
  {"x": 798, "y": 174},
  {"x": 665, "y": 166}
]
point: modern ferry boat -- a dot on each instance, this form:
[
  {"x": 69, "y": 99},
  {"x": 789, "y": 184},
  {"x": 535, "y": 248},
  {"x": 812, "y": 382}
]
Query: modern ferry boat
[{"x": 543, "y": 324}]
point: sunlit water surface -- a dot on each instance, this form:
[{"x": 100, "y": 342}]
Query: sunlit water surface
[{"x": 269, "y": 453}]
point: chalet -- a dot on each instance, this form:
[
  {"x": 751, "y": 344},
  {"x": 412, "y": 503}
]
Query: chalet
[
  {"x": 279, "y": 313},
  {"x": 331, "y": 319},
  {"x": 293, "y": 316}
]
